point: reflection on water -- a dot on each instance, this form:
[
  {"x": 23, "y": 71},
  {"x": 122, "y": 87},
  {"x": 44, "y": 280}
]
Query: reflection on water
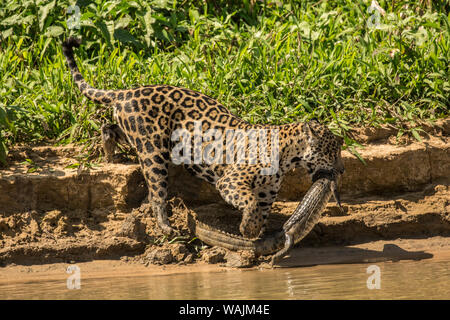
[{"x": 399, "y": 280}]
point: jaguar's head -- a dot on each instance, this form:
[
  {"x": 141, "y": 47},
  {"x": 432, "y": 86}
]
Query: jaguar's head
[{"x": 322, "y": 155}]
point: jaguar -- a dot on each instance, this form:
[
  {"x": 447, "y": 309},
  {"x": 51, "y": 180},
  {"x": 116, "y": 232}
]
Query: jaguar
[{"x": 147, "y": 118}]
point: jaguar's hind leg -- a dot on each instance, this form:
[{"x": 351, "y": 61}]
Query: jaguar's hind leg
[
  {"x": 112, "y": 136},
  {"x": 155, "y": 164}
]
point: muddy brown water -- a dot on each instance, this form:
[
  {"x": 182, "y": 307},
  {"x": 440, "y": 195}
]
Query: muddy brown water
[{"x": 425, "y": 279}]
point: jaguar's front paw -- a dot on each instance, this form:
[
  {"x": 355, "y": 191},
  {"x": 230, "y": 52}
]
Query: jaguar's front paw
[{"x": 249, "y": 231}]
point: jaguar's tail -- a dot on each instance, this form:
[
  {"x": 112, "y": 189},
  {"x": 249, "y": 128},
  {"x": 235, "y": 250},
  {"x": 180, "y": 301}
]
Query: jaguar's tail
[{"x": 96, "y": 95}]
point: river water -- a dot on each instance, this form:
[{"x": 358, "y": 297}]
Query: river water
[{"x": 425, "y": 279}]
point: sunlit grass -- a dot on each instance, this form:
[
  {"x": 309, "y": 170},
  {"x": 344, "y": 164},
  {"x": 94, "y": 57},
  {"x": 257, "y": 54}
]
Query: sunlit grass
[{"x": 267, "y": 63}]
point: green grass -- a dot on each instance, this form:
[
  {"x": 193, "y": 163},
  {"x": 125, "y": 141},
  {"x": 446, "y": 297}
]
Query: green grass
[{"x": 266, "y": 61}]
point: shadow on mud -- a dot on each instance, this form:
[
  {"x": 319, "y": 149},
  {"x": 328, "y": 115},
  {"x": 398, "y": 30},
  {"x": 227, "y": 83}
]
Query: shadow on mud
[{"x": 305, "y": 257}]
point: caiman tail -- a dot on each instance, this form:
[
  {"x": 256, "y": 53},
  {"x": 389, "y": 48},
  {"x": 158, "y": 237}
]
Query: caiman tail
[
  {"x": 263, "y": 246},
  {"x": 295, "y": 229}
]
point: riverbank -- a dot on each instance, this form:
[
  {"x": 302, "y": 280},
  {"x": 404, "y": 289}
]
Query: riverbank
[
  {"x": 320, "y": 270},
  {"x": 53, "y": 211},
  {"x": 432, "y": 249}
]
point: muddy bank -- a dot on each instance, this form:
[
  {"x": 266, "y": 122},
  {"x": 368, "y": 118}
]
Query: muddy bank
[
  {"x": 389, "y": 169},
  {"x": 50, "y": 213},
  {"x": 64, "y": 236}
]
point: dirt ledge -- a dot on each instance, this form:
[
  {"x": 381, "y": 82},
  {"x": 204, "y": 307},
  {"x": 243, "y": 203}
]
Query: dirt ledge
[{"x": 55, "y": 214}]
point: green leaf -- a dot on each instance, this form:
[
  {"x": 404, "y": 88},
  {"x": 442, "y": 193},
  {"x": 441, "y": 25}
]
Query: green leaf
[
  {"x": 104, "y": 31},
  {"x": 54, "y": 31},
  {"x": 193, "y": 15},
  {"x": 416, "y": 135},
  {"x": 14, "y": 19},
  {"x": 3, "y": 151},
  {"x": 356, "y": 154},
  {"x": 148, "y": 20},
  {"x": 123, "y": 22},
  {"x": 43, "y": 13},
  {"x": 124, "y": 36},
  {"x": 72, "y": 166},
  {"x": 7, "y": 33},
  {"x": 3, "y": 118}
]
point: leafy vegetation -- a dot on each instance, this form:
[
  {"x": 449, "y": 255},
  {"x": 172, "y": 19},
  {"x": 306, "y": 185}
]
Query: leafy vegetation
[{"x": 268, "y": 61}]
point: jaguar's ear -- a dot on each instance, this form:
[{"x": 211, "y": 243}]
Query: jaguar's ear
[{"x": 310, "y": 133}]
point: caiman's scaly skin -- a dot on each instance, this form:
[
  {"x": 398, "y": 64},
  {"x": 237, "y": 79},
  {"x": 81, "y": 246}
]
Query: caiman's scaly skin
[
  {"x": 295, "y": 229},
  {"x": 307, "y": 214}
]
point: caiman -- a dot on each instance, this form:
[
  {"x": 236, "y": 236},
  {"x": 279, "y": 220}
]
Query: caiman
[{"x": 279, "y": 243}]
